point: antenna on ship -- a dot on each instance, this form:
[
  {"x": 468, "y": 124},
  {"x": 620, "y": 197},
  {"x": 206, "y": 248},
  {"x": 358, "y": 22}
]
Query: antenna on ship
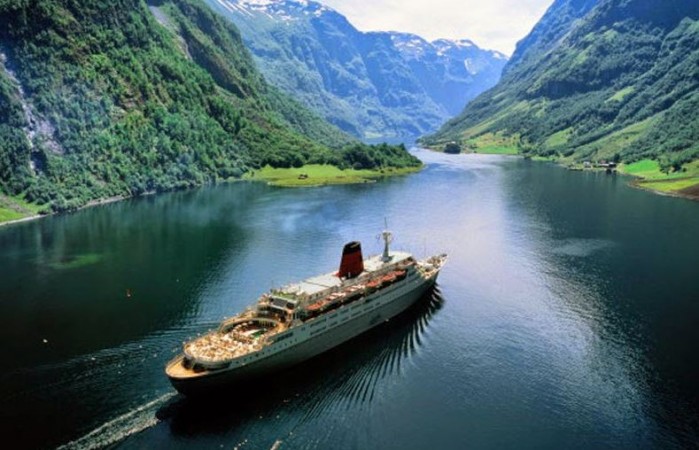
[{"x": 387, "y": 237}]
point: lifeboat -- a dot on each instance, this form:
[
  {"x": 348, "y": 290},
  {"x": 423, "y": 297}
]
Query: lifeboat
[
  {"x": 317, "y": 306},
  {"x": 388, "y": 278},
  {"x": 373, "y": 285}
]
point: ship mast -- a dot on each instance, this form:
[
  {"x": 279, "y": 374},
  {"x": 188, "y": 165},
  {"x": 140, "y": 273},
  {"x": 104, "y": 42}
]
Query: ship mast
[{"x": 387, "y": 237}]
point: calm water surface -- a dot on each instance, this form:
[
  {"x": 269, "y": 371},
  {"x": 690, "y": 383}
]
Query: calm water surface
[{"x": 567, "y": 316}]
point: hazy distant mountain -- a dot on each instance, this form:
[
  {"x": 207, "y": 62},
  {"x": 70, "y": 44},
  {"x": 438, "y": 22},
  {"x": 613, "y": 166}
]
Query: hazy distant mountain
[
  {"x": 596, "y": 79},
  {"x": 378, "y": 85}
]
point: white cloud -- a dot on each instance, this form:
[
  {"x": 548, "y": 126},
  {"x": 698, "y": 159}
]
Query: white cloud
[{"x": 493, "y": 24}]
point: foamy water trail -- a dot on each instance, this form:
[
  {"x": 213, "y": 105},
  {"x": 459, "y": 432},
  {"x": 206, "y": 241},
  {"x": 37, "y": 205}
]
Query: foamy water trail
[{"x": 120, "y": 427}]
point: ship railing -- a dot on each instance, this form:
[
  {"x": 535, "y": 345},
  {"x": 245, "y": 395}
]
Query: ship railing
[{"x": 431, "y": 265}]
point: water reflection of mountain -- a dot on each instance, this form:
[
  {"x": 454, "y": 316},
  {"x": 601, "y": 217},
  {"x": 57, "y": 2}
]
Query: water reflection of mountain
[{"x": 345, "y": 376}]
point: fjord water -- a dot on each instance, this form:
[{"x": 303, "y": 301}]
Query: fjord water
[{"x": 567, "y": 315}]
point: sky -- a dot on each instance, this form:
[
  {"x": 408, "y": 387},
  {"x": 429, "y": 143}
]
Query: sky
[{"x": 491, "y": 24}]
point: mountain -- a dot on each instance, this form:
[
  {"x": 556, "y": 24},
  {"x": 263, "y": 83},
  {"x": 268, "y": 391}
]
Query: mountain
[
  {"x": 452, "y": 72},
  {"x": 553, "y": 26},
  {"x": 377, "y": 85},
  {"x": 117, "y": 98},
  {"x": 595, "y": 79}
]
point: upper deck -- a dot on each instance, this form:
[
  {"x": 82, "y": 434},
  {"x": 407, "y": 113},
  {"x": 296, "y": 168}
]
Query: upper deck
[
  {"x": 282, "y": 308},
  {"x": 317, "y": 286}
]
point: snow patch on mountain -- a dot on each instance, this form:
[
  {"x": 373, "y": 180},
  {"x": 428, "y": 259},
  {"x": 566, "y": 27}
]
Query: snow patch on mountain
[
  {"x": 284, "y": 10},
  {"x": 410, "y": 45}
]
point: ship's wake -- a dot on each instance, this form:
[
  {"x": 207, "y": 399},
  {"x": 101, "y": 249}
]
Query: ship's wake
[
  {"x": 117, "y": 429},
  {"x": 92, "y": 372},
  {"x": 386, "y": 350}
]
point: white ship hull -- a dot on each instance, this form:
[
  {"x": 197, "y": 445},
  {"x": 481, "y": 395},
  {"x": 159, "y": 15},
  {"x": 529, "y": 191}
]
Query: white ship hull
[{"x": 305, "y": 341}]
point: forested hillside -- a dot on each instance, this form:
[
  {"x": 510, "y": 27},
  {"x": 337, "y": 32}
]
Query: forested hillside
[
  {"x": 596, "y": 79},
  {"x": 105, "y": 98},
  {"x": 374, "y": 85}
]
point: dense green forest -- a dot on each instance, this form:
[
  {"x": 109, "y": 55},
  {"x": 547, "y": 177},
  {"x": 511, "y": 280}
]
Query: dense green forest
[
  {"x": 596, "y": 79},
  {"x": 116, "y": 98}
]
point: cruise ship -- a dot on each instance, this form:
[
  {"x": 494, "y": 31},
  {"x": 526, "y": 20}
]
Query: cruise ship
[{"x": 294, "y": 323}]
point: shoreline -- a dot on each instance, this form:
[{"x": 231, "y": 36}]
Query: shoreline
[
  {"x": 90, "y": 204},
  {"x": 642, "y": 183},
  {"x": 23, "y": 219},
  {"x": 637, "y": 182},
  {"x": 290, "y": 179},
  {"x": 317, "y": 175},
  {"x": 365, "y": 178}
]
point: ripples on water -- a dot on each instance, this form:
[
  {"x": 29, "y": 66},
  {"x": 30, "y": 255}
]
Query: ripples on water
[{"x": 569, "y": 319}]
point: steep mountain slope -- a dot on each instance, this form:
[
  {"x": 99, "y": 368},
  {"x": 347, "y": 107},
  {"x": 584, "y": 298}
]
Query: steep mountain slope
[
  {"x": 604, "y": 79},
  {"x": 556, "y": 23},
  {"x": 374, "y": 85},
  {"x": 101, "y": 98}
]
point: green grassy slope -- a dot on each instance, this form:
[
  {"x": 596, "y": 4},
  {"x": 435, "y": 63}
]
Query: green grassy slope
[
  {"x": 684, "y": 181},
  {"x": 618, "y": 81}
]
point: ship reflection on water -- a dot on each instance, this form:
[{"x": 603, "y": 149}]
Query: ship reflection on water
[{"x": 347, "y": 375}]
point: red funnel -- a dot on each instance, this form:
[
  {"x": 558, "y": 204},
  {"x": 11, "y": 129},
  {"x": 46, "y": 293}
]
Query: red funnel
[{"x": 352, "y": 263}]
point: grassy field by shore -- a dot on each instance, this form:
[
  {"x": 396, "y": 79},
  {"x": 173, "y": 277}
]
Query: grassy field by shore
[
  {"x": 15, "y": 208},
  {"x": 683, "y": 183},
  {"x": 318, "y": 175},
  {"x": 493, "y": 144},
  {"x": 486, "y": 144}
]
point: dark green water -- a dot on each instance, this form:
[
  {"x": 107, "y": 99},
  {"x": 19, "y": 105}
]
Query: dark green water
[{"x": 567, "y": 316}]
